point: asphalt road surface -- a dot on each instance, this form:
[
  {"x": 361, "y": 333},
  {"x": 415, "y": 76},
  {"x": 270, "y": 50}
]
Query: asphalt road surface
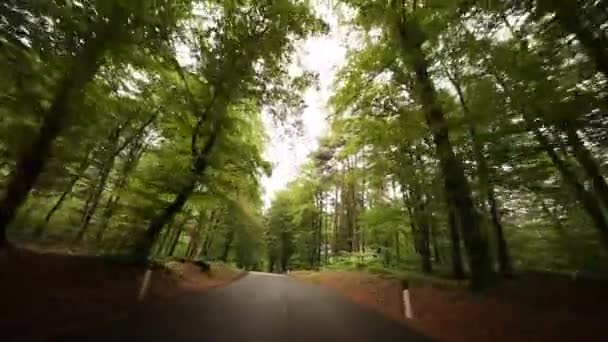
[{"x": 258, "y": 307}]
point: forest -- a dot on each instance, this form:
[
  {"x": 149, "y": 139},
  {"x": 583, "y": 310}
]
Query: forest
[{"x": 467, "y": 138}]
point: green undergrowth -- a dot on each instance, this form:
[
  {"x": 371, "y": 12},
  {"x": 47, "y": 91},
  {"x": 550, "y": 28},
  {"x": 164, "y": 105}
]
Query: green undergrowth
[{"x": 406, "y": 271}]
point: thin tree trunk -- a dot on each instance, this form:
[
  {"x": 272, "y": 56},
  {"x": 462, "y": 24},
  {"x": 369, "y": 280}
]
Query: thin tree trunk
[
  {"x": 326, "y": 219},
  {"x": 457, "y": 264},
  {"x": 68, "y": 190},
  {"x": 596, "y": 45},
  {"x": 587, "y": 199},
  {"x": 195, "y": 238},
  {"x": 397, "y": 247},
  {"x": 336, "y": 222},
  {"x": 424, "y": 241},
  {"x": 62, "y": 198},
  {"x": 134, "y": 156},
  {"x": 190, "y": 248},
  {"x": 206, "y": 243},
  {"x": 108, "y": 212},
  {"x": 552, "y": 215},
  {"x": 436, "y": 250},
  {"x": 99, "y": 189},
  {"x": 178, "y": 234},
  {"x": 201, "y": 163},
  {"x": 142, "y": 250},
  {"x": 160, "y": 245},
  {"x": 107, "y": 167},
  {"x": 227, "y": 245},
  {"x": 209, "y": 239},
  {"x": 589, "y": 164}
]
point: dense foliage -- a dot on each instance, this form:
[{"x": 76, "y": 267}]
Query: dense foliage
[
  {"x": 136, "y": 126},
  {"x": 467, "y": 137},
  {"x": 469, "y": 125}
]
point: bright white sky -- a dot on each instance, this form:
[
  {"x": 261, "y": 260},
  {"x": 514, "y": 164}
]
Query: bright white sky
[{"x": 323, "y": 55}]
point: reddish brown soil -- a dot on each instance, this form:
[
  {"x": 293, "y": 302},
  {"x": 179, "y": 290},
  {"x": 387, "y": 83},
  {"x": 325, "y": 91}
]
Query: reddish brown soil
[
  {"x": 380, "y": 293},
  {"x": 525, "y": 309},
  {"x": 42, "y": 295}
]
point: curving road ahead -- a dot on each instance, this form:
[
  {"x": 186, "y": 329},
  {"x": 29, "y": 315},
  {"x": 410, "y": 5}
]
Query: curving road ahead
[{"x": 258, "y": 307}]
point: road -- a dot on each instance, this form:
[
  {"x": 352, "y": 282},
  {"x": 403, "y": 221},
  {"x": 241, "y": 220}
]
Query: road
[{"x": 258, "y": 307}]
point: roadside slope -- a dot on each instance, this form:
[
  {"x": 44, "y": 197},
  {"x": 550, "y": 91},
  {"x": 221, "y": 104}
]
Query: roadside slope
[{"x": 45, "y": 294}]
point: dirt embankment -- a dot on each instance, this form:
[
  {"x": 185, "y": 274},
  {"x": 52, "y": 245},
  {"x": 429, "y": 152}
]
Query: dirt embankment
[
  {"x": 46, "y": 294},
  {"x": 524, "y": 309}
]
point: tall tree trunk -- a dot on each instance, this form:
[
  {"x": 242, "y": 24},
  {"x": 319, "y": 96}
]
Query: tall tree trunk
[
  {"x": 505, "y": 266},
  {"x": 312, "y": 249},
  {"x": 344, "y": 238},
  {"x": 31, "y": 162},
  {"x": 335, "y": 244},
  {"x": 484, "y": 175},
  {"x": 457, "y": 264},
  {"x": 361, "y": 205},
  {"x": 320, "y": 229},
  {"x": 407, "y": 202},
  {"x": 456, "y": 183},
  {"x": 271, "y": 261},
  {"x": 285, "y": 252},
  {"x": 326, "y": 236},
  {"x": 397, "y": 247},
  {"x": 424, "y": 243},
  {"x": 436, "y": 250}
]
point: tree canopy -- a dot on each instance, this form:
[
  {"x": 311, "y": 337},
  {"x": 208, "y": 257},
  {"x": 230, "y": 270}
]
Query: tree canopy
[
  {"x": 467, "y": 138},
  {"x": 460, "y": 124}
]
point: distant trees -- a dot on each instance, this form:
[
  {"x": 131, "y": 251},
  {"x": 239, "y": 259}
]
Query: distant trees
[{"x": 467, "y": 121}]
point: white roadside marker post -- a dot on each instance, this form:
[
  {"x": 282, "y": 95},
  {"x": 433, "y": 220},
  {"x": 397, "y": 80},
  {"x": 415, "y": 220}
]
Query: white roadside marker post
[
  {"x": 145, "y": 284},
  {"x": 407, "y": 303}
]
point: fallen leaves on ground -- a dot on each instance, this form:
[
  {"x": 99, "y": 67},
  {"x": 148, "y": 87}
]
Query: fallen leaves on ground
[{"x": 525, "y": 309}]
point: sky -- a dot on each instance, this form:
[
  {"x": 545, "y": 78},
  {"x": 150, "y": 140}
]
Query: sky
[{"x": 323, "y": 55}]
